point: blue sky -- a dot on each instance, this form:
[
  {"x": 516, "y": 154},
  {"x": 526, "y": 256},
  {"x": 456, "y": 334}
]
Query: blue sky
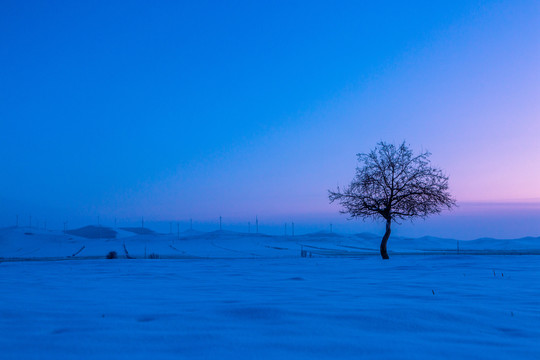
[{"x": 184, "y": 110}]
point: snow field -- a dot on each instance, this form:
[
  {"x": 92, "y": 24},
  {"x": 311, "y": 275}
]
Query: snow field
[{"x": 474, "y": 307}]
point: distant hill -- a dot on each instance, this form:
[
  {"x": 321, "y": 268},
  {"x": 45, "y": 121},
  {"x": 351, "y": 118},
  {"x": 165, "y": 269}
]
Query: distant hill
[
  {"x": 95, "y": 242},
  {"x": 139, "y": 230},
  {"x": 93, "y": 232}
]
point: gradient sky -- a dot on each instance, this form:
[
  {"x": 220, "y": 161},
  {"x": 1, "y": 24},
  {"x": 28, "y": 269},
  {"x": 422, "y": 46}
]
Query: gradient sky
[{"x": 178, "y": 110}]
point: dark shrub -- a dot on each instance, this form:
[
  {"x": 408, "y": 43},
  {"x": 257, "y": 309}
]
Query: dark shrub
[
  {"x": 112, "y": 255},
  {"x": 153, "y": 256}
]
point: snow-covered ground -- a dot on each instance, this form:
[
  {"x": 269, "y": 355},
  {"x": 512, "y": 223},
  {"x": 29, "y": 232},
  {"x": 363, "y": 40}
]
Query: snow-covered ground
[
  {"x": 25, "y": 243},
  {"x": 244, "y": 296},
  {"x": 474, "y": 307}
]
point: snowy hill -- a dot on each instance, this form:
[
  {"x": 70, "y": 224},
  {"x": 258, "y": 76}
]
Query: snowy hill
[{"x": 97, "y": 242}]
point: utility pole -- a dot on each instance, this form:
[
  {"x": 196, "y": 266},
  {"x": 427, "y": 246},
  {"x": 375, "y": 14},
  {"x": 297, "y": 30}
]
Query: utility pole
[
  {"x": 256, "y": 224},
  {"x": 330, "y": 228},
  {"x": 220, "y": 223}
]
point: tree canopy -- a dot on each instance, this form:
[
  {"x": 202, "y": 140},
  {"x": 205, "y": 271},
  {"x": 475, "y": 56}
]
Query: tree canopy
[{"x": 393, "y": 183}]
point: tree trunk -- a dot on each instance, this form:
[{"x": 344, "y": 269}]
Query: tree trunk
[{"x": 384, "y": 253}]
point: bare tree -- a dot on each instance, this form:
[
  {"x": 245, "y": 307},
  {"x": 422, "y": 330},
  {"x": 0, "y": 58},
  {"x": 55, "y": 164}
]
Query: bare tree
[{"x": 394, "y": 184}]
